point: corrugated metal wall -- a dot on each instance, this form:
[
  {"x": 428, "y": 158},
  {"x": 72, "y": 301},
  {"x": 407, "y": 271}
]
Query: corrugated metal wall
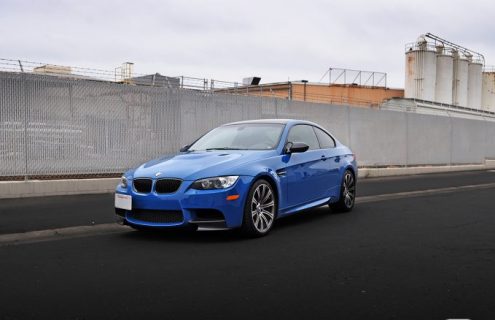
[{"x": 57, "y": 126}]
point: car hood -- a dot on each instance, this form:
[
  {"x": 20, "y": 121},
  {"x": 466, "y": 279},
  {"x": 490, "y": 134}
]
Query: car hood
[{"x": 198, "y": 164}]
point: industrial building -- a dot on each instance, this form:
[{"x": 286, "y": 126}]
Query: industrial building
[
  {"x": 438, "y": 74},
  {"x": 441, "y": 72},
  {"x": 347, "y": 93}
]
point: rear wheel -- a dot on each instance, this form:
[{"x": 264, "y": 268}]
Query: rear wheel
[
  {"x": 259, "y": 210},
  {"x": 347, "y": 194}
]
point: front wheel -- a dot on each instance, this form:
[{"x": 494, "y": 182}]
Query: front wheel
[
  {"x": 260, "y": 209},
  {"x": 347, "y": 194}
]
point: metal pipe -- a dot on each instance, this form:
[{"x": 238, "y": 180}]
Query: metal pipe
[
  {"x": 290, "y": 90},
  {"x": 305, "y": 82}
]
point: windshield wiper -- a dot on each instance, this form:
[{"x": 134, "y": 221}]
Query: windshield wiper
[{"x": 222, "y": 148}]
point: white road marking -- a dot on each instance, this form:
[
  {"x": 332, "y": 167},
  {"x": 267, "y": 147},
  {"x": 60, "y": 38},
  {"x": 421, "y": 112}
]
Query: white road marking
[{"x": 107, "y": 228}]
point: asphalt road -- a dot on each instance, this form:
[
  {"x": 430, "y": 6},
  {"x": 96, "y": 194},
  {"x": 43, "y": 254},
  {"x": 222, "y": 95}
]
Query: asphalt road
[
  {"x": 66, "y": 211},
  {"x": 426, "y": 257}
]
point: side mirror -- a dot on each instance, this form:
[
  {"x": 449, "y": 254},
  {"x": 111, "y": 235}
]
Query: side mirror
[
  {"x": 295, "y": 147},
  {"x": 184, "y": 148}
]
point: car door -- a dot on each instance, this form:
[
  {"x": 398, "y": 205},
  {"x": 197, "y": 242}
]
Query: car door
[
  {"x": 304, "y": 170},
  {"x": 332, "y": 162}
]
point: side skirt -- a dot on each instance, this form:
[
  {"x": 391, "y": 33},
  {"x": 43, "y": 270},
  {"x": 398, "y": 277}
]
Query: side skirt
[{"x": 317, "y": 203}]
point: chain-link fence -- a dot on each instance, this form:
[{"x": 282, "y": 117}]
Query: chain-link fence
[{"x": 57, "y": 126}]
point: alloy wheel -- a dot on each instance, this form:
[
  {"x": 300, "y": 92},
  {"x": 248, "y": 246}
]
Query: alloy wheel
[
  {"x": 349, "y": 191},
  {"x": 262, "y": 208}
]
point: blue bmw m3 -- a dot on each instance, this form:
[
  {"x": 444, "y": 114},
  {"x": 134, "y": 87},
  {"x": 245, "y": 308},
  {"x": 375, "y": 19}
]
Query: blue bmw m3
[{"x": 240, "y": 175}]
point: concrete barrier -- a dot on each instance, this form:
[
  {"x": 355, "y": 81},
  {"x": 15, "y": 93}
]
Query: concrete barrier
[
  {"x": 401, "y": 171},
  {"x": 41, "y": 188}
]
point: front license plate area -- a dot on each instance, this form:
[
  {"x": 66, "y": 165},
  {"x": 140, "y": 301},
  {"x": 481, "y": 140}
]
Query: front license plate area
[{"x": 123, "y": 201}]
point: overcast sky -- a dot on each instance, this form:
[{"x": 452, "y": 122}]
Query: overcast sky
[{"x": 229, "y": 40}]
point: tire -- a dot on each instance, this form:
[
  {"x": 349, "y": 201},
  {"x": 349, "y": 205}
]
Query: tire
[
  {"x": 260, "y": 210},
  {"x": 347, "y": 193}
]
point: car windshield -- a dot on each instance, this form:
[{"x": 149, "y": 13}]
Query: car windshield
[{"x": 245, "y": 136}]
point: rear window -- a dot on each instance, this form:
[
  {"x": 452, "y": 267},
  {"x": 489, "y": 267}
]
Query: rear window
[{"x": 325, "y": 140}]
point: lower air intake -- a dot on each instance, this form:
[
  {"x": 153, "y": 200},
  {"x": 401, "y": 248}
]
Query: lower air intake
[{"x": 156, "y": 216}]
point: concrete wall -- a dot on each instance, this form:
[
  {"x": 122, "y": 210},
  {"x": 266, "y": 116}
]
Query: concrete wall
[
  {"x": 428, "y": 139},
  {"x": 386, "y": 145}
]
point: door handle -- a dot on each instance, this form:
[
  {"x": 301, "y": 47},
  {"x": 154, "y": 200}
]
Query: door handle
[
  {"x": 337, "y": 159},
  {"x": 323, "y": 158}
]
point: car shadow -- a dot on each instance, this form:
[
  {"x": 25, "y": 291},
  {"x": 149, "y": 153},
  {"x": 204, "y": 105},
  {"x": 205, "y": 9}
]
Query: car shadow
[
  {"x": 298, "y": 220},
  {"x": 179, "y": 235}
]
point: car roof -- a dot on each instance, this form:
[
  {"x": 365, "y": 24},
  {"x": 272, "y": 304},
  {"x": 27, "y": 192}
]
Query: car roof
[{"x": 276, "y": 121}]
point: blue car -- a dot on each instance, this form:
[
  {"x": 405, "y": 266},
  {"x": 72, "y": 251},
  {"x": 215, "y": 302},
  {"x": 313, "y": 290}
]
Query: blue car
[{"x": 241, "y": 175}]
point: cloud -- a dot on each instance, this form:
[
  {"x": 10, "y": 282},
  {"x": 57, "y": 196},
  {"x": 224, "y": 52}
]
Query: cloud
[{"x": 228, "y": 40}]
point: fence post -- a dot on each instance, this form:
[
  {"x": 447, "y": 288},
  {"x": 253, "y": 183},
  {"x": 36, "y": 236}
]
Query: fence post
[
  {"x": 406, "y": 114},
  {"x": 24, "y": 86},
  {"x": 349, "y": 128},
  {"x": 451, "y": 138}
]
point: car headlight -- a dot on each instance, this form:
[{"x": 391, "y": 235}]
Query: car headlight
[
  {"x": 123, "y": 182},
  {"x": 214, "y": 183}
]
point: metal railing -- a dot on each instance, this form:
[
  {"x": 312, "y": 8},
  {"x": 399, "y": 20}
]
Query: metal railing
[
  {"x": 355, "y": 77},
  {"x": 123, "y": 74},
  {"x": 433, "y": 43}
]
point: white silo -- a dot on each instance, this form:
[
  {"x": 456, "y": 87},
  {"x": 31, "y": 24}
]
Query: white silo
[
  {"x": 420, "y": 71},
  {"x": 475, "y": 70},
  {"x": 488, "y": 93},
  {"x": 444, "y": 76},
  {"x": 460, "y": 84}
]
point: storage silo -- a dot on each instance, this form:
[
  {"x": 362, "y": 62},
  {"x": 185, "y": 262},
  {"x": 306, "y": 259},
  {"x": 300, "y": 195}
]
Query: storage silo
[
  {"x": 444, "y": 76},
  {"x": 488, "y": 93},
  {"x": 460, "y": 84},
  {"x": 421, "y": 71},
  {"x": 475, "y": 70}
]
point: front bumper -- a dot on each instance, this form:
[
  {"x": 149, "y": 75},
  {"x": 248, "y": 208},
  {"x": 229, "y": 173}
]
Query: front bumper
[{"x": 207, "y": 208}]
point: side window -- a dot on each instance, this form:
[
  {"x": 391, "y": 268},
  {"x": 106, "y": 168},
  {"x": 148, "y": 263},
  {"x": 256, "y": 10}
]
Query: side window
[
  {"x": 304, "y": 133},
  {"x": 325, "y": 140}
]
